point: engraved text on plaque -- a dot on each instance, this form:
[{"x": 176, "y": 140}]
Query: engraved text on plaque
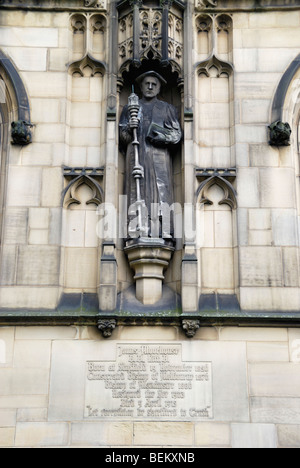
[{"x": 148, "y": 381}]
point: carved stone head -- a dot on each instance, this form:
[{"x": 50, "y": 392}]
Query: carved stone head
[
  {"x": 150, "y": 84},
  {"x": 20, "y": 133},
  {"x": 280, "y": 134}
]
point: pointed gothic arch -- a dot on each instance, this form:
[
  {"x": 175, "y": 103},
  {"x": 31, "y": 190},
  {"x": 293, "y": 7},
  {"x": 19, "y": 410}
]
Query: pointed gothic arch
[
  {"x": 77, "y": 178},
  {"x": 230, "y": 196},
  {"x": 14, "y": 118},
  {"x": 16, "y": 98},
  {"x": 280, "y": 95}
]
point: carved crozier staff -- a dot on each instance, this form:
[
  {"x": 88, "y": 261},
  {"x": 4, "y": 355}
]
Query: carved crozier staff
[{"x": 138, "y": 171}]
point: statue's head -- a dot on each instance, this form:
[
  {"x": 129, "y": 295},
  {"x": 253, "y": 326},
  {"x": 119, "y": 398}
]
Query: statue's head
[
  {"x": 150, "y": 84},
  {"x": 150, "y": 87}
]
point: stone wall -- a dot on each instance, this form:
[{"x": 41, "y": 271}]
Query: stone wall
[
  {"x": 235, "y": 270},
  {"x": 250, "y": 250},
  {"x": 255, "y": 388}
]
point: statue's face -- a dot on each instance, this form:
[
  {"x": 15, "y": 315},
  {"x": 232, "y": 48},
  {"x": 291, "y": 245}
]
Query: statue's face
[{"x": 150, "y": 87}]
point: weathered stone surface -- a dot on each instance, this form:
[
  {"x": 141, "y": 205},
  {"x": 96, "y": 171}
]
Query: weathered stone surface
[
  {"x": 38, "y": 265},
  {"x": 247, "y": 54},
  {"x": 41, "y": 434},
  {"x": 254, "y": 436}
]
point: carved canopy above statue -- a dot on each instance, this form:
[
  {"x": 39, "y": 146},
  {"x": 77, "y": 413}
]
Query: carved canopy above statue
[{"x": 150, "y": 33}]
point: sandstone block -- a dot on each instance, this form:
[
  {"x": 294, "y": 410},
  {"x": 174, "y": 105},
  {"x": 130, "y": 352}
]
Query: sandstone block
[
  {"x": 101, "y": 434},
  {"x": 270, "y": 180},
  {"x": 29, "y": 297},
  {"x": 275, "y": 410},
  {"x": 20, "y": 191},
  {"x": 8, "y": 265},
  {"x": 41, "y": 434},
  {"x": 255, "y": 111},
  {"x": 15, "y": 226},
  {"x": 29, "y": 37},
  {"x": 38, "y": 265},
  {"x": 81, "y": 268},
  {"x": 162, "y": 433},
  {"x": 289, "y": 436},
  {"x": 284, "y": 227},
  {"x": 7, "y": 435},
  {"x": 28, "y": 59},
  {"x": 254, "y": 436},
  {"x": 28, "y": 381},
  {"x": 217, "y": 268},
  {"x": 32, "y": 354},
  {"x": 261, "y": 266},
  {"x": 7, "y": 346},
  {"x": 7, "y": 418},
  {"x": 248, "y": 188},
  {"x": 212, "y": 435},
  {"x": 274, "y": 380},
  {"x": 269, "y": 298}
]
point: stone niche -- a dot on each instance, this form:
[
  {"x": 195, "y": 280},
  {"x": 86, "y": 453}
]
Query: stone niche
[{"x": 150, "y": 37}]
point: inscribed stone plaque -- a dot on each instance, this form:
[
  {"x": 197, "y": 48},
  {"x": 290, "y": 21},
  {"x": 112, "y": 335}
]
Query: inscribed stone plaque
[{"x": 148, "y": 381}]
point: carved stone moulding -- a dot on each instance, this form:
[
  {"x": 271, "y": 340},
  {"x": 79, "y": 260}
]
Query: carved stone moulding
[
  {"x": 190, "y": 327},
  {"x": 95, "y": 3},
  {"x": 149, "y": 258},
  {"x": 213, "y": 63},
  {"x": 150, "y": 31},
  {"x": 206, "y": 3},
  {"x": 224, "y": 178},
  {"x": 106, "y": 327},
  {"x": 78, "y": 176},
  {"x": 10, "y": 79},
  {"x": 95, "y": 67}
]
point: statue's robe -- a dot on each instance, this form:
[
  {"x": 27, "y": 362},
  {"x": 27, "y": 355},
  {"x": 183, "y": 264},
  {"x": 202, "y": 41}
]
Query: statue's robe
[{"x": 158, "y": 134}]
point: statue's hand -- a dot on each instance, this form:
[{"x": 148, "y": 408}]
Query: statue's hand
[
  {"x": 158, "y": 137},
  {"x": 164, "y": 136},
  {"x": 134, "y": 123}
]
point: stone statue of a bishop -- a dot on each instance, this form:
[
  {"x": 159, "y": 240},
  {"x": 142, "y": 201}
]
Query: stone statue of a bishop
[{"x": 158, "y": 132}]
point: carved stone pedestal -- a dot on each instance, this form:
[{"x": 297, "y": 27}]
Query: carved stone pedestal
[{"x": 149, "y": 258}]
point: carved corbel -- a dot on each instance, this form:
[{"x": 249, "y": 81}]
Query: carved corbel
[
  {"x": 206, "y": 3},
  {"x": 94, "y": 3},
  {"x": 190, "y": 327},
  {"x": 106, "y": 326},
  {"x": 20, "y": 133},
  {"x": 280, "y": 134}
]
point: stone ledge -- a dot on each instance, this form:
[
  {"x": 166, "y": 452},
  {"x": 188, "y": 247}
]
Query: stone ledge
[
  {"x": 213, "y": 310},
  {"x": 208, "y": 318}
]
